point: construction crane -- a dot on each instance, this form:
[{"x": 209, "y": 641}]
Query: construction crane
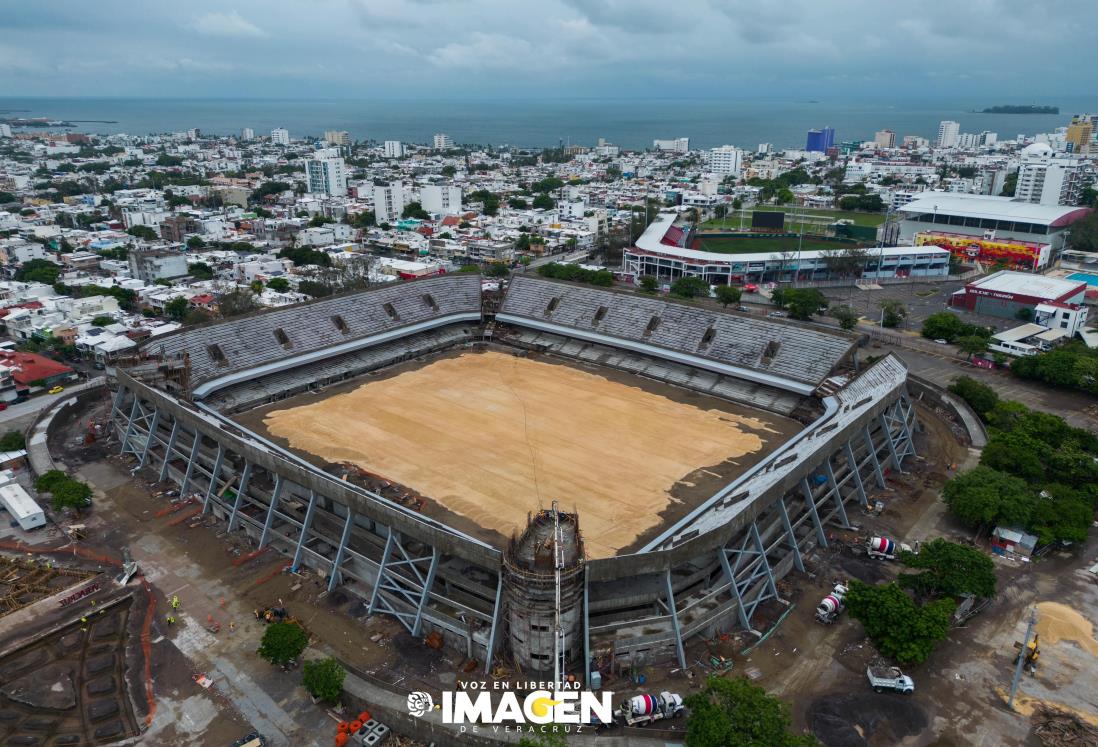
[{"x": 559, "y": 653}]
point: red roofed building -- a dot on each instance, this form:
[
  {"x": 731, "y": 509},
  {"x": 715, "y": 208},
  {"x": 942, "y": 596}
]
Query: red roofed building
[{"x": 31, "y": 367}]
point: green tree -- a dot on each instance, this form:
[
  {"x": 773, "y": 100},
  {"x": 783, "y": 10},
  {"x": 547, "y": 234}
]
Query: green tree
[
  {"x": 195, "y": 242},
  {"x": 984, "y": 497},
  {"x": 12, "y": 441},
  {"x": 517, "y": 203},
  {"x": 236, "y": 302},
  {"x": 279, "y": 284},
  {"x": 543, "y": 202},
  {"x": 972, "y": 344},
  {"x": 893, "y": 312},
  {"x": 472, "y": 267},
  {"x": 200, "y": 271},
  {"x": 728, "y": 294},
  {"x": 415, "y": 210},
  {"x": 689, "y": 286},
  {"x": 177, "y": 308},
  {"x": 496, "y": 270},
  {"x": 320, "y": 220},
  {"x": 738, "y": 712},
  {"x": 846, "y": 316},
  {"x": 323, "y": 679},
  {"x": 71, "y": 494},
  {"x": 943, "y": 326},
  {"x": 1061, "y": 514},
  {"x": 949, "y": 570},
  {"x": 898, "y": 627},
  {"x": 38, "y": 271},
  {"x": 283, "y": 642},
  {"x": 143, "y": 232},
  {"x": 980, "y": 397},
  {"x": 102, "y": 321},
  {"x": 649, "y": 283},
  {"x": 803, "y": 303},
  {"x": 315, "y": 288}
]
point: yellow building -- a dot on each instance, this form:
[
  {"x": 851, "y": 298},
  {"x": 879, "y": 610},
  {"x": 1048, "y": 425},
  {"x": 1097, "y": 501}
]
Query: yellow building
[{"x": 1080, "y": 133}]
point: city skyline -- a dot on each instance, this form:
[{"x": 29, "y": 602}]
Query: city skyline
[{"x": 427, "y": 48}]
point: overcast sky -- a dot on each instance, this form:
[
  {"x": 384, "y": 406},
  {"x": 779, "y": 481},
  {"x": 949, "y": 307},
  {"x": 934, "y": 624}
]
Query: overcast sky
[{"x": 1016, "y": 50}]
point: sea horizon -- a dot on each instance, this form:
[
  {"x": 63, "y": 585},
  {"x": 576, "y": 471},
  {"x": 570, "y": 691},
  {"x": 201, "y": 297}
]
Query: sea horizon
[{"x": 538, "y": 122}]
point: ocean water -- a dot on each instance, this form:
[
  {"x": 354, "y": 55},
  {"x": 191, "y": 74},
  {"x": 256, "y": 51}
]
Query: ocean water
[{"x": 547, "y": 122}]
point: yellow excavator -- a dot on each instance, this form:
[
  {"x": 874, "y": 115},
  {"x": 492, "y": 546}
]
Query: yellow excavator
[{"x": 1031, "y": 654}]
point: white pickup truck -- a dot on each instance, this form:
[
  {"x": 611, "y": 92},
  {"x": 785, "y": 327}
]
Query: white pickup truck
[{"x": 890, "y": 678}]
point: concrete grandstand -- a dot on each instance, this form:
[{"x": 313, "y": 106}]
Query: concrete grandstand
[{"x": 708, "y": 570}]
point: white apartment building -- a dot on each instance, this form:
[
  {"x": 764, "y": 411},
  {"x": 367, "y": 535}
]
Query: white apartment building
[
  {"x": 388, "y": 202},
  {"x": 326, "y": 173},
  {"x": 441, "y": 200},
  {"x": 443, "y": 141},
  {"x": 337, "y": 137},
  {"x": 5, "y": 130},
  {"x": 393, "y": 149},
  {"x": 247, "y": 134},
  {"x": 1044, "y": 179},
  {"x": 885, "y": 139},
  {"x": 280, "y": 136},
  {"x": 726, "y": 160},
  {"x": 949, "y": 133},
  {"x": 676, "y": 145}
]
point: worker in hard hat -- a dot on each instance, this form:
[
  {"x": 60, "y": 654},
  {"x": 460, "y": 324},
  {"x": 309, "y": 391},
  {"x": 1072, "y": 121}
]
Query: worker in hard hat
[
  {"x": 171, "y": 620},
  {"x": 175, "y": 601}
]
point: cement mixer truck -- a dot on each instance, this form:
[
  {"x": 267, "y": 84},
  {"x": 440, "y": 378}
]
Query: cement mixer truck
[
  {"x": 644, "y": 709},
  {"x": 831, "y": 606},
  {"x": 884, "y": 548}
]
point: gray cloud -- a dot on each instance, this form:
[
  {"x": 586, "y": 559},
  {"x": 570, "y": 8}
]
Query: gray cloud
[{"x": 378, "y": 48}]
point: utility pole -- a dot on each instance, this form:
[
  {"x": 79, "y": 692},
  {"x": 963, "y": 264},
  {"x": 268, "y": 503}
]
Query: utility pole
[{"x": 1022, "y": 658}]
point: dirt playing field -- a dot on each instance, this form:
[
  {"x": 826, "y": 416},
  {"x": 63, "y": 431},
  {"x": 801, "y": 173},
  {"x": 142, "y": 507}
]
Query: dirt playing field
[{"x": 491, "y": 436}]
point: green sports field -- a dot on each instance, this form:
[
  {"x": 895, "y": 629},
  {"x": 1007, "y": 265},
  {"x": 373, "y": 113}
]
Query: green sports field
[
  {"x": 791, "y": 217},
  {"x": 725, "y": 245}
]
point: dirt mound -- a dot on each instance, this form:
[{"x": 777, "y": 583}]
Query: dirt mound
[{"x": 865, "y": 718}]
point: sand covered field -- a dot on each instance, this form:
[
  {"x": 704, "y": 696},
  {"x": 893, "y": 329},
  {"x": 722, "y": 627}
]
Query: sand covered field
[{"x": 491, "y": 436}]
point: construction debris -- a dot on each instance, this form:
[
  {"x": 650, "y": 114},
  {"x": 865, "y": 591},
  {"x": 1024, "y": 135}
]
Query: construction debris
[{"x": 1057, "y": 728}]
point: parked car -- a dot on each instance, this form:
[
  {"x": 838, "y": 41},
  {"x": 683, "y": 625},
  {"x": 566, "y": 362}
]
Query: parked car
[
  {"x": 57, "y": 390},
  {"x": 776, "y": 314},
  {"x": 743, "y": 308},
  {"x": 940, "y": 341}
]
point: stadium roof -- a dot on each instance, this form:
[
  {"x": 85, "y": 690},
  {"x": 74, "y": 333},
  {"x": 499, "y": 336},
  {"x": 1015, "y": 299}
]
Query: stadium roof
[
  {"x": 1028, "y": 284},
  {"x": 997, "y": 208}
]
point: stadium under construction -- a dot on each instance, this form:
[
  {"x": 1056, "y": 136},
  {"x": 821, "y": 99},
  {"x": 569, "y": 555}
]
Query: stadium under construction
[{"x": 177, "y": 410}]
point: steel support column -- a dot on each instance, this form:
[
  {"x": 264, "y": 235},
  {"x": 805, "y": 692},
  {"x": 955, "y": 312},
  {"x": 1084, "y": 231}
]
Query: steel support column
[
  {"x": 733, "y": 587},
  {"x": 335, "y": 574},
  {"x": 168, "y": 450},
  {"x": 852, "y": 463},
  {"x": 190, "y": 463},
  {"x": 304, "y": 530},
  {"x": 798, "y": 562},
  {"x": 241, "y": 488},
  {"x": 152, "y": 425},
  {"x": 586, "y": 629},
  {"x": 675, "y": 620},
  {"x": 275, "y": 493},
  {"x": 810, "y": 499},
  {"x": 765, "y": 563},
  {"x": 873, "y": 456},
  {"x": 490, "y": 654},
  {"x": 380, "y": 570},
  {"x": 129, "y": 426},
  {"x": 838, "y": 494},
  {"x": 215, "y": 475},
  {"x": 431, "y": 569},
  {"x": 891, "y": 443}
]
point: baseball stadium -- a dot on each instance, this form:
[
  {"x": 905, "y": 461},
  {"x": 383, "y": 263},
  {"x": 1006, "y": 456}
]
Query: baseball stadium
[{"x": 553, "y": 471}]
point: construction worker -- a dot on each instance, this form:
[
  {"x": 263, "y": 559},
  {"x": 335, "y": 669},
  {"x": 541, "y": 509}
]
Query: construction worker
[
  {"x": 175, "y": 601},
  {"x": 171, "y": 620}
]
